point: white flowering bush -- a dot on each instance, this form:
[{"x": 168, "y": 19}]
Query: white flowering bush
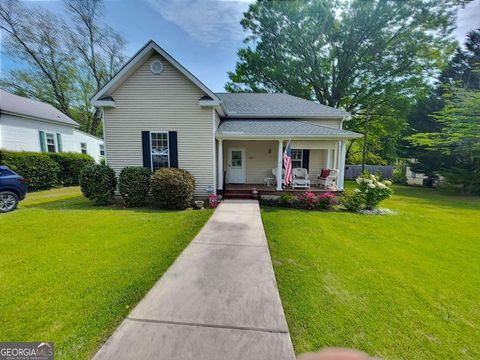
[{"x": 373, "y": 190}]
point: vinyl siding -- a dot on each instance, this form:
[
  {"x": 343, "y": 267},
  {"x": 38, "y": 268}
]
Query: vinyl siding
[
  {"x": 165, "y": 102},
  {"x": 21, "y": 134},
  {"x": 335, "y": 123}
]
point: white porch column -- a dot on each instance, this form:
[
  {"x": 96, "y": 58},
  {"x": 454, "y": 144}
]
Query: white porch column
[
  {"x": 329, "y": 159},
  {"x": 341, "y": 166},
  {"x": 279, "y": 165},
  {"x": 220, "y": 164}
]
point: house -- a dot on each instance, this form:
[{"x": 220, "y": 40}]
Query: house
[
  {"x": 157, "y": 114},
  {"x": 29, "y": 125}
]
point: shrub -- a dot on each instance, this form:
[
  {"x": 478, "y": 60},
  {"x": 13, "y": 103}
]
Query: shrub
[
  {"x": 173, "y": 188},
  {"x": 373, "y": 190},
  {"x": 286, "y": 200},
  {"x": 70, "y": 166},
  {"x": 352, "y": 200},
  {"x": 310, "y": 201},
  {"x": 134, "y": 185},
  {"x": 98, "y": 183},
  {"x": 38, "y": 169}
]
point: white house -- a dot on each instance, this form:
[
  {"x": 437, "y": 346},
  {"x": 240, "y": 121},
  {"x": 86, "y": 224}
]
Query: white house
[
  {"x": 157, "y": 114},
  {"x": 29, "y": 125}
]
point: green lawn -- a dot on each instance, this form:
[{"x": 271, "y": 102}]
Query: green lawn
[
  {"x": 403, "y": 286},
  {"x": 70, "y": 272}
]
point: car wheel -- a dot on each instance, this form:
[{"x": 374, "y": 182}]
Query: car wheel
[{"x": 8, "y": 201}]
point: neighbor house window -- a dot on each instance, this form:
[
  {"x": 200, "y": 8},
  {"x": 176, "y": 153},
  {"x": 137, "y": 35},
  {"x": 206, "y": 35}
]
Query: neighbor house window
[
  {"x": 102, "y": 150},
  {"x": 160, "y": 153},
  {"x": 297, "y": 158},
  {"x": 51, "y": 147},
  {"x": 83, "y": 148}
]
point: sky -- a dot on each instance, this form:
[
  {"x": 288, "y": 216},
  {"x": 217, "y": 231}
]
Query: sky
[{"x": 203, "y": 35}]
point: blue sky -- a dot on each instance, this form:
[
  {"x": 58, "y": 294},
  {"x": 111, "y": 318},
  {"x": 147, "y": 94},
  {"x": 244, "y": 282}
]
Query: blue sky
[{"x": 203, "y": 35}]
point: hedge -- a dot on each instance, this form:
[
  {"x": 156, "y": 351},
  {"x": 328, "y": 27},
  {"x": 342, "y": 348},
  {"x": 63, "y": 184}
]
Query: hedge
[
  {"x": 39, "y": 170},
  {"x": 70, "y": 166},
  {"x": 173, "y": 188}
]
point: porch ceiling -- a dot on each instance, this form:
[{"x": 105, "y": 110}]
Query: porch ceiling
[{"x": 279, "y": 129}]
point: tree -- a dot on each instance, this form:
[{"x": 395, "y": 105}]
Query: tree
[
  {"x": 66, "y": 61},
  {"x": 462, "y": 74},
  {"x": 458, "y": 139},
  {"x": 350, "y": 54}
]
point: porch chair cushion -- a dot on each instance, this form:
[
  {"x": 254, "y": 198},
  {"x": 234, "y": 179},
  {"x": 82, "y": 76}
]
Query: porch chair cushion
[{"x": 325, "y": 173}]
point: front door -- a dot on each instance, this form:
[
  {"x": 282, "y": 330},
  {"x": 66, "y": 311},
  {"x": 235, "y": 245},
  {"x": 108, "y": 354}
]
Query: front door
[{"x": 236, "y": 166}]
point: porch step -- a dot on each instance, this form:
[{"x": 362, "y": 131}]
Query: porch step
[{"x": 238, "y": 195}]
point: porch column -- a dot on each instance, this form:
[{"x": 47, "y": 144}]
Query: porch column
[
  {"x": 220, "y": 164},
  {"x": 329, "y": 159},
  {"x": 279, "y": 165},
  {"x": 341, "y": 160}
]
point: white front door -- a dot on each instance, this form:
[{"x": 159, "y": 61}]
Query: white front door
[{"x": 236, "y": 165}]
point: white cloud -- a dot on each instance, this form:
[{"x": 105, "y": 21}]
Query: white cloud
[
  {"x": 468, "y": 19},
  {"x": 208, "y": 21}
]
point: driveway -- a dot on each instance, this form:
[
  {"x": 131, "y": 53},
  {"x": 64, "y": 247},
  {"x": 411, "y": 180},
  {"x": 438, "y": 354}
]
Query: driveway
[{"x": 219, "y": 300}]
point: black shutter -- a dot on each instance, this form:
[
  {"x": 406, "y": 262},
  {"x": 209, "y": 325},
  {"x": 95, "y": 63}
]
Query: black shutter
[
  {"x": 146, "y": 149},
  {"x": 306, "y": 159},
  {"x": 173, "y": 149}
]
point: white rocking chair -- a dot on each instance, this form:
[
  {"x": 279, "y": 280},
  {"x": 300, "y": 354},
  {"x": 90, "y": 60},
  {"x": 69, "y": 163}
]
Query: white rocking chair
[
  {"x": 274, "y": 172},
  {"x": 330, "y": 181},
  {"x": 300, "y": 178}
]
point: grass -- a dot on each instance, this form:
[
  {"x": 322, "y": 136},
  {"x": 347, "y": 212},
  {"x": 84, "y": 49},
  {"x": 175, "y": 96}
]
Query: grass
[
  {"x": 400, "y": 286},
  {"x": 70, "y": 272}
]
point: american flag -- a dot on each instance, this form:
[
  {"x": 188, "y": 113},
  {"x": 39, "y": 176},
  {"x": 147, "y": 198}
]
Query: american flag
[{"x": 287, "y": 164}]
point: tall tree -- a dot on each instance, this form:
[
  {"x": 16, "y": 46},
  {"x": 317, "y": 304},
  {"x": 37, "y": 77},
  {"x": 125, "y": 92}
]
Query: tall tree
[
  {"x": 461, "y": 76},
  {"x": 67, "y": 60},
  {"x": 37, "y": 38},
  {"x": 352, "y": 54}
]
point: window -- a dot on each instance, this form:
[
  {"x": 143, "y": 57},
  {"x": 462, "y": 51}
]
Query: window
[
  {"x": 51, "y": 147},
  {"x": 102, "y": 150},
  {"x": 297, "y": 158},
  {"x": 160, "y": 153},
  {"x": 83, "y": 148},
  {"x": 237, "y": 158}
]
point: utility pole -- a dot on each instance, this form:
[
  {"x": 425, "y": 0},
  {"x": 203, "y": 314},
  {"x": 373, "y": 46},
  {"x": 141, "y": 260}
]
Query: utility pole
[{"x": 365, "y": 138}]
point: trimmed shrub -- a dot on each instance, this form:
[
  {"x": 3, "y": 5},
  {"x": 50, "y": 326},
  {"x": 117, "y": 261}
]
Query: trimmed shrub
[
  {"x": 134, "y": 185},
  {"x": 286, "y": 200},
  {"x": 173, "y": 188},
  {"x": 352, "y": 200},
  {"x": 70, "y": 166},
  {"x": 98, "y": 183},
  {"x": 39, "y": 170}
]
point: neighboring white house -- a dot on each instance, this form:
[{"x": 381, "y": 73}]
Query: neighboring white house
[
  {"x": 29, "y": 125},
  {"x": 157, "y": 114}
]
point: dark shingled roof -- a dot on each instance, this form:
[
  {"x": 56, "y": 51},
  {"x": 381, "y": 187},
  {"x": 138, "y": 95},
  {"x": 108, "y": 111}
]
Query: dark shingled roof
[
  {"x": 279, "y": 127},
  {"x": 275, "y": 105}
]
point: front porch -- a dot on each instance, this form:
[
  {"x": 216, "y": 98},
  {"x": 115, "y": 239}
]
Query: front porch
[{"x": 244, "y": 165}]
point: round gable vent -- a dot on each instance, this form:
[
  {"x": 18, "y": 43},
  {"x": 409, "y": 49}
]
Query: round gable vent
[{"x": 156, "y": 67}]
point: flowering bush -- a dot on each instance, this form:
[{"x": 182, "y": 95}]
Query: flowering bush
[
  {"x": 373, "y": 190},
  {"x": 352, "y": 200},
  {"x": 310, "y": 201}
]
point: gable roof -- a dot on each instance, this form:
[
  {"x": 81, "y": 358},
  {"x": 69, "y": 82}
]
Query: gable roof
[
  {"x": 278, "y": 105},
  {"x": 290, "y": 128},
  {"x": 22, "y": 106},
  {"x": 151, "y": 47}
]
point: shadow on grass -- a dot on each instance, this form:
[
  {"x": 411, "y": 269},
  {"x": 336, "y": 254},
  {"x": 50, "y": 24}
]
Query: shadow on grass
[{"x": 80, "y": 203}]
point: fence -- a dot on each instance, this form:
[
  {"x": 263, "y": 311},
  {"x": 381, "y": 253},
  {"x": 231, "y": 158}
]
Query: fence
[{"x": 353, "y": 171}]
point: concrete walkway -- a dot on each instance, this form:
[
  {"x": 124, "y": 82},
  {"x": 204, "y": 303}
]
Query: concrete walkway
[{"x": 218, "y": 301}]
